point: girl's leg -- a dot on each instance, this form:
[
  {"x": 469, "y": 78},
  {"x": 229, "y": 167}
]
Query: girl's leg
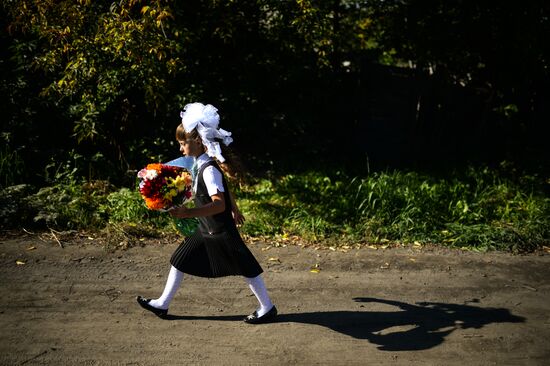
[
  {"x": 172, "y": 284},
  {"x": 257, "y": 286}
]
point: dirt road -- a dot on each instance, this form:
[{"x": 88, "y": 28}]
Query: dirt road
[{"x": 76, "y": 305}]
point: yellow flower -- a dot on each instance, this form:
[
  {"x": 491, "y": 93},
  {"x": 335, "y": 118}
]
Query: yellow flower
[
  {"x": 180, "y": 182},
  {"x": 171, "y": 194}
]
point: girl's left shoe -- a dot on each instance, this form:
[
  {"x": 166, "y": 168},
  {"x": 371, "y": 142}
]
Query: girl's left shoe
[
  {"x": 266, "y": 318},
  {"x": 144, "y": 303}
]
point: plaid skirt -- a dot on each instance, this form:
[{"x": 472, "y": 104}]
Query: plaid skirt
[{"x": 215, "y": 255}]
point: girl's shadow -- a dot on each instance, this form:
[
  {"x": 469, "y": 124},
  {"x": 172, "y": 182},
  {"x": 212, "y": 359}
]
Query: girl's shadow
[{"x": 418, "y": 327}]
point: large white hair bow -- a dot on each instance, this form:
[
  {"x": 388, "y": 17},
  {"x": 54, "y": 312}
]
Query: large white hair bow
[{"x": 205, "y": 119}]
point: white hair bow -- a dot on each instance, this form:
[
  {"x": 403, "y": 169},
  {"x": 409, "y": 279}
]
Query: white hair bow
[{"x": 205, "y": 119}]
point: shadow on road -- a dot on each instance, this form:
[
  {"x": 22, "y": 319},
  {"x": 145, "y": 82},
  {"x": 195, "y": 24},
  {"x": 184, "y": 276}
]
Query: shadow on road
[{"x": 417, "y": 327}]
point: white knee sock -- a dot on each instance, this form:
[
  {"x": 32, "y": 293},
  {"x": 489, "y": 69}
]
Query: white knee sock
[
  {"x": 257, "y": 286},
  {"x": 172, "y": 284}
]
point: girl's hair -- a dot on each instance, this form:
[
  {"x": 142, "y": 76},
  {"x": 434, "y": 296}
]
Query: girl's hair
[
  {"x": 181, "y": 135},
  {"x": 232, "y": 167}
]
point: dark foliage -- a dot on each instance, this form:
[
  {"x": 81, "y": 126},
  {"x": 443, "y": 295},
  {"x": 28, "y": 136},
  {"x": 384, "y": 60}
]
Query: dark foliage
[{"x": 349, "y": 85}]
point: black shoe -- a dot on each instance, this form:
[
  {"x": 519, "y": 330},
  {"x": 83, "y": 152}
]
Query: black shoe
[
  {"x": 266, "y": 318},
  {"x": 144, "y": 303}
]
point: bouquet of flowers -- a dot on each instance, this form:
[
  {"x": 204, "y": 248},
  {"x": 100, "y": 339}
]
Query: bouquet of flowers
[{"x": 163, "y": 186}]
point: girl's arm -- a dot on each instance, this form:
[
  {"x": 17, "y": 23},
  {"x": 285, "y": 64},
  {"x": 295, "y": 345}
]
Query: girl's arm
[
  {"x": 215, "y": 207},
  {"x": 237, "y": 215}
]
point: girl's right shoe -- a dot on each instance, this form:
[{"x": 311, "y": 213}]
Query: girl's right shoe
[
  {"x": 266, "y": 318},
  {"x": 144, "y": 303}
]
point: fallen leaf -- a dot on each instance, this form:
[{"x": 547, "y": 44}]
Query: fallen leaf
[
  {"x": 316, "y": 268},
  {"x": 546, "y": 249},
  {"x": 384, "y": 246},
  {"x": 31, "y": 248},
  {"x": 412, "y": 259},
  {"x": 20, "y": 263},
  {"x": 417, "y": 244},
  {"x": 332, "y": 248},
  {"x": 385, "y": 266},
  {"x": 274, "y": 259},
  {"x": 266, "y": 248},
  {"x": 372, "y": 247}
]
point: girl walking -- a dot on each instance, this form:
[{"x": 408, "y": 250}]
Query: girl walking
[{"x": 216, "y": 249}]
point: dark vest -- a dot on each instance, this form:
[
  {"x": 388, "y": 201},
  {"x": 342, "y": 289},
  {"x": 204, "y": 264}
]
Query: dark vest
[{"x": 219, "y": 222}]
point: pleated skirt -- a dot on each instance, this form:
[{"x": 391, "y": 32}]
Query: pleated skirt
[{"x": 215, "y": 255}]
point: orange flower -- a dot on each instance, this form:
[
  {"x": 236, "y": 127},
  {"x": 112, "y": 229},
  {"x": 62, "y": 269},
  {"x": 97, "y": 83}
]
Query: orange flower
[
  {"x": 155, "y": 166},
  {"x": 154, "y": 204}
]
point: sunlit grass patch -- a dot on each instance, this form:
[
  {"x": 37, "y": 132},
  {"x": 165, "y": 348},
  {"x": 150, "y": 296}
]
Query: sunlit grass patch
[{"x": 479, "y": 208}]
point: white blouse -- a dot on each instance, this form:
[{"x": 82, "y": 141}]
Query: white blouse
[{"x": 212, "y": 177}]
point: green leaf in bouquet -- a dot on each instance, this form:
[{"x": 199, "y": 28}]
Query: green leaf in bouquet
[{"x": 187, "y": 226}]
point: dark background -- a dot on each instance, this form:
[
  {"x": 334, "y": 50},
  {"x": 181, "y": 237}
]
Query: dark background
[{"x": 349, "y": 86}]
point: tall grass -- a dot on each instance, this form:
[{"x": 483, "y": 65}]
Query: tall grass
[{"x": 479, "y": 208}]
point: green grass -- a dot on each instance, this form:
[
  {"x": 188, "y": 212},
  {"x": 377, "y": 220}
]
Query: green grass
[{"x": 480, "y": 208}]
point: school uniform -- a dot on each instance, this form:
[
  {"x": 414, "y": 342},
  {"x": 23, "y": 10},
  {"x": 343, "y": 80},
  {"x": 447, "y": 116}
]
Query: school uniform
[{"x": 216, "y": 249}]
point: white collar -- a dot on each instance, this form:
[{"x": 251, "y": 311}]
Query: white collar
[{"x": 202, "y": 159}]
